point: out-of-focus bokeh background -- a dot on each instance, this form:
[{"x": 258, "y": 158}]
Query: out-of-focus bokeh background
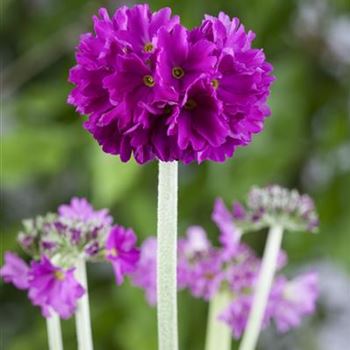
[{"x": 47, "y": 158}]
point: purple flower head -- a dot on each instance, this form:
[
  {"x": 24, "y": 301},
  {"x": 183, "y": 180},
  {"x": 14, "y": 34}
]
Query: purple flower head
[
  {"x": 290, "y": 301},
  {"x": 15, "y": 271},
  {"x": 275, "y": 204},
  {"x": 76, "y": 228},
  {"x": 79, "y": 209},
  {"x": 265, "y": 207},
  {"x": 121, "y": 251},
  {"x": 155, "y": 90},
  {"x": 53, "y": 288},
  {"x": 145, "y": 275}
]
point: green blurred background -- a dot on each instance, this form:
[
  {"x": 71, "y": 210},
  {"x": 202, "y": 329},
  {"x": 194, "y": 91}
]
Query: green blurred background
[{"x": 47, "y": 158}]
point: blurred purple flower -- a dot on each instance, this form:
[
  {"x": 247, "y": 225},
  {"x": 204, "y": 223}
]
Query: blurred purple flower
[
  {"x": 121, "y": 251},
  {"x": 15, "y": 271},
  {"x": 53, "y": 288},
  {"x": 236, "y": 315},
  {"x": 145, "y": 275},
  {"x": 290, "y": 301}
]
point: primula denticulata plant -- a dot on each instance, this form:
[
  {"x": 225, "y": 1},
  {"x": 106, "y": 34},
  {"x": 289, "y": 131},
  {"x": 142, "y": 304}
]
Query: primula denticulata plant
[
  {"x": 227, "y": 276},
  {"x": 155, "y": 90},
  {"x": 59, "y": 245}
]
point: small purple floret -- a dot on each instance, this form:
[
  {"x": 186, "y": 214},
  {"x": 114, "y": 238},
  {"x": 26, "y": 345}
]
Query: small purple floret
[
  {"x": 121, "y": 251},
  {"x": 53, "y": 288},
  {"x": 15, "y": 271}
]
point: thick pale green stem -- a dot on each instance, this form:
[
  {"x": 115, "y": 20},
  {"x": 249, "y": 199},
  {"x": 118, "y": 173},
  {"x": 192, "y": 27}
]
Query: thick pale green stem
[
  {"x": 263, "y": 287},
  {"x": 82, "y": 314},
  {"x": 218, "y": 334},
  {"x": 167, "y": 256},
  {"x": 54, "y": 332}
]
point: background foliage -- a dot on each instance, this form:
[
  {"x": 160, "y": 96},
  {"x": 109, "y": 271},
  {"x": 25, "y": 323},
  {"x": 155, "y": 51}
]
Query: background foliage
[{"x": 47, "y": 157}]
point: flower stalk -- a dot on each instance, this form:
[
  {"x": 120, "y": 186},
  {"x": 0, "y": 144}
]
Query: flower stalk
[
  {"x": 54, "y": 332},
  {"x": 263, "y": 287},
  {"x": 218, "y": 334},
  {"x": 167, "y": 256},
  {"x": 82, "y": 314}
]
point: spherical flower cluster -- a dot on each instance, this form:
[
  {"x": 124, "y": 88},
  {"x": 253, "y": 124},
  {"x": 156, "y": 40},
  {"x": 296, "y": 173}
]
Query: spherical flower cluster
[
  {"x": 154, "y": 89},
  {"x": 77, "y": 229},
  {"x": 56, "y": 242},
  {"x": 233, "y": 267},
  {"x": 268, "y": 206}
]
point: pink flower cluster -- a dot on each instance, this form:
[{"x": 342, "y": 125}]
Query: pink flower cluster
[
  {"x": 154, "y": 89},
  {"x": 205, "y": 270},
  {"x": 76, "y": 231}
]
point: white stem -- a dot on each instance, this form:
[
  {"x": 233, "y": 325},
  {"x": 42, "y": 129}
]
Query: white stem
[
  {"x": 167, "y": 256},
  {"x": 54, "y": 332},
  {"x": 218, "y": 334},
  {"x": 82, "y": 314},
  {"x": 263, "y": 287}
]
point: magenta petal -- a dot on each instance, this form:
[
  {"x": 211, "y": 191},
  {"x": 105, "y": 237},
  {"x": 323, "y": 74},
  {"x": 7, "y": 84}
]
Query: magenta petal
[
  {"x": 15, "y": 271},
  {"x": 121, "y": 251},
  {"x": 53, "y": 288}
]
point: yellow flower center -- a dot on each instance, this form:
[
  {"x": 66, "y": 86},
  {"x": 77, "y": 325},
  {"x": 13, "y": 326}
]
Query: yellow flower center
[
  {"x": 148, "y": 80},
  {"x": 215, "y": 83},
  {"x": 148, "y": 47},
  {"x": 113, "y": 252},
  {"x": 190, "y": 105},
  {"x": 178, "y": 72},
  {"x": 59, "y": 275}
]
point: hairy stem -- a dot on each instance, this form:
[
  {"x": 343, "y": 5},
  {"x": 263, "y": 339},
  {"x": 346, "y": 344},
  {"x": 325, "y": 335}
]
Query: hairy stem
[
  {"x": 82, "y": 314},
  {"x": 167, "y": 256},
  {"x": 218, "y": 334},
  {"x": 54, "y": 332},
  {"x": 263, "y": 287}
]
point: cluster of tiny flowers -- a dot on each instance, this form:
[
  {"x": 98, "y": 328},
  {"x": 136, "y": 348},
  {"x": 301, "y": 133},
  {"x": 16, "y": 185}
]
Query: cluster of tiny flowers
[
  {"x": 55, "y": 242},
  {"x": 275, "y": 205},
  {"x": 153, "y": 89},
  {"x": 205, "y": 270},
  {"x": 74, "y": 230}
]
